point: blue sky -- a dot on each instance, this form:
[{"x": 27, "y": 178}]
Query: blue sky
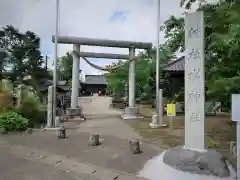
[{"x": 132, "y": 20}]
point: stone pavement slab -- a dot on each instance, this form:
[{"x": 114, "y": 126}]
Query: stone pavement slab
[
  {"x": 17, "y": 168},
  {"x": 82, "y": 171},
  {"x": 113, "y": 153}
]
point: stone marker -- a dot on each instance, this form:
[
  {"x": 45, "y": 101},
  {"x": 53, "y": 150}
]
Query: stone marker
[
  {"x": 94, "y": 140},
  {"x": 194, "y": 81},
  {"x": 135, "y": 147},
  {"x": 236, "y": 117},
  {"x": 193, "y": 157}
]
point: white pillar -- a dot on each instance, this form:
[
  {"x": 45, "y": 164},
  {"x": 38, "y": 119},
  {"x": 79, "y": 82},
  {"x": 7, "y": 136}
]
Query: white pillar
[
  {"x": 75, "y": 77},
  {"x": 131, "y": 78},
  {"x": 49, "y": 107},
  {"x": 160, "y": 107},
  {"x": 194, "y": 81},
  {"x": 157, "y": 119}
]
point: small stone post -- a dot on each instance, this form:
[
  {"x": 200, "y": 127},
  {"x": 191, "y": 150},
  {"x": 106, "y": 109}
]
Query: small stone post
[
  {"x": 61, "y": 132},
  {"x": 93, "y": 140},
  {"x": 135, "y": 147}
]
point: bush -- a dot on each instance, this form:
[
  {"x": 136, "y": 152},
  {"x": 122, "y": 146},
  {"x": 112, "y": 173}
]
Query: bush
[
  {"x": 12, "y": 121},
  {"x": 32, "y": 109}
]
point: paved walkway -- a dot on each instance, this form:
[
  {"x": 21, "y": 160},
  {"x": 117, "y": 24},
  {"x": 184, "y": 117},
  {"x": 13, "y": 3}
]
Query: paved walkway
[
  {"x": 112, "y": 159},
  {"x": 27, "y": 163},
  {"x": 13, "y": 167},
  {"x": 104, "y": 120}
]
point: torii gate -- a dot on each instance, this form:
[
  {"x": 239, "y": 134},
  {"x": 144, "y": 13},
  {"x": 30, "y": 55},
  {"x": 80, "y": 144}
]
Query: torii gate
[{"x": 131, "y": 112}]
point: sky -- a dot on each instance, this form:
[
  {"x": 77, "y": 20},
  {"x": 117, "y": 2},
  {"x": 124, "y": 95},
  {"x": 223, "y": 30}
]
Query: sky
[{"x": 132, "y": 20}]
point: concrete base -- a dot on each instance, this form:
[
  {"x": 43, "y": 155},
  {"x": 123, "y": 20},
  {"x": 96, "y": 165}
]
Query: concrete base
[
  {"x": 131, "y": 113},
  {"x": 205, "y": 162},
  {"x": 74, "y": 112},
  {"x": 76, "y": 118},
  {"x": 50, "y": 129},
  {"x": 155, "y": 124},
  {"x": 156, "y": 167}
]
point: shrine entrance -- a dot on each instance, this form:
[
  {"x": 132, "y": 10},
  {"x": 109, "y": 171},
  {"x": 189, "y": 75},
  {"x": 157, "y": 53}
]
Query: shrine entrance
[{"x": 130, "y": 112}]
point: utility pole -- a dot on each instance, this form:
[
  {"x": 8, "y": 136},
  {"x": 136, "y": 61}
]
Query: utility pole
[
  {"x": 55, "y": 63},
  {"x": 159, "y": 119},
  {"x": 46, "y": 62}
]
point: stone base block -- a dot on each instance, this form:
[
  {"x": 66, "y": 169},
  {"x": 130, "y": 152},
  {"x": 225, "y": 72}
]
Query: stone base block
[
  {"x": 155, "y": 123},
  {"x": 131, "y": 113},
  {"x": 207, "y": 162},
  {"x": 74, "y": 112}
]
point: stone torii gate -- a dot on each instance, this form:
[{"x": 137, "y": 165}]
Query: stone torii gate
[{"x": 131, "y": 112}]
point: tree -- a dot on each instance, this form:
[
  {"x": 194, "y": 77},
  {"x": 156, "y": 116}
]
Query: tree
[
  {"x": 24, "y": 56},
  {"x": 174, "y": 33},
  {"x": 145, "y": 71},
  {"x": 224, "y": 76},
  {"x": 221, "y": 47},
  {"x": 187, "y": 3},
  {"x": 65, "y": 66}
]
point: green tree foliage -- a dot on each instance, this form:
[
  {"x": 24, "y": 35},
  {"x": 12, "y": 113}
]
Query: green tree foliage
[
  {"x": 24, "y": 56},
  {"x": 65, "y": 67},
  {"x": 221, "y": 45},
  {"x": 145, "y": 71},
  {"x": 222, "y": 39}
]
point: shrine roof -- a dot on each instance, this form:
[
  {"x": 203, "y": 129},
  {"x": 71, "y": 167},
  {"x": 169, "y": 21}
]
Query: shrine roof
[
  {"x": 175, "y": 65},
  {"x": 95, "y": 79}
]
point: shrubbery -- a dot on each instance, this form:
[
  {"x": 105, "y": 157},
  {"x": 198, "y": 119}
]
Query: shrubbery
[
  {"x": 30, "y": 113},
  {"x": 12, "y": 121},
  {"x": 32, "y": 109}
]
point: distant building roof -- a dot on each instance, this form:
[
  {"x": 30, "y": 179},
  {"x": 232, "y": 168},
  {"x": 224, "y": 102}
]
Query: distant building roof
[
  {"x": 175, "y": 65},
  {"x": 62, "y": 85},
  {"x": 95, "y": 79}
]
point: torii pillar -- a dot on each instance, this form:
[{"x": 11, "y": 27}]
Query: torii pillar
[
  {"x": 132, "y": 111},
  {"x": 75, "y": 109}
]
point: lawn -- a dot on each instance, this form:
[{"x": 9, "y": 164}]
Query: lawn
[{"x": 218, "y": 131}]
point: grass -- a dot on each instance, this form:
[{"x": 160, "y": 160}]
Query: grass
[{"x": 218, "y": 131}]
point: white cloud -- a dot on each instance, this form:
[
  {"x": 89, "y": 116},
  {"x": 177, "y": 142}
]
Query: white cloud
[{"x": 88, "y": 18}]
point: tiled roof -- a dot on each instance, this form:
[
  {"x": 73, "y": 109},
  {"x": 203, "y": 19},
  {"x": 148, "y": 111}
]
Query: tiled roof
[
  {"x": 60, "y": 84},
  {"x": 176, "y": 65},
  {"x": 95, "y": 79}
]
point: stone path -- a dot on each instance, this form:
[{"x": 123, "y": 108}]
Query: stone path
[
  {"x": 97, "y": 105},
  {"x": 112, "y": 159},
  {"x": 113, "y": 153},
  {"x": 104, "y": 120},
  {"x": 14, "y": 168},
  {"x": 23, "y": 162}
]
